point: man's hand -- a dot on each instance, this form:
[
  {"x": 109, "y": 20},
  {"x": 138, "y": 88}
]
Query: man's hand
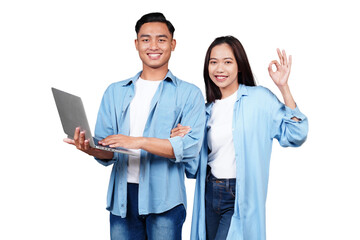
[
  {"x": 83, "y": 145},
  {"x": 124, "y": 141},
  {"x": 180, "y": 131}
]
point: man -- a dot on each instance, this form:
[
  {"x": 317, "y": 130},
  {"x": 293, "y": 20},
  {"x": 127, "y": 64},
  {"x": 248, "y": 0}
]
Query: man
[{"x": 146, "y": 195}]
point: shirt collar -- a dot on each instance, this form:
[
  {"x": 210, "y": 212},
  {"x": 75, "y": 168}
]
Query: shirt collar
[
  {"x": 242, "y": 91},
  {"x": 169, "y": 77},
  {"x": 208, "y": 107}
]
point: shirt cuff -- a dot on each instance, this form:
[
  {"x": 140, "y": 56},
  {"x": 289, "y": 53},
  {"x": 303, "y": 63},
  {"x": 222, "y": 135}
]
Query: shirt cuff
[
  {"x": 290, "y": 113},
  {"x": 108, "y": 162},
  {"x": 177, "y": 145}
]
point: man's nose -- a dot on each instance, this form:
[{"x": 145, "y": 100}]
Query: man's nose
[{"x": 153, "y": 45}]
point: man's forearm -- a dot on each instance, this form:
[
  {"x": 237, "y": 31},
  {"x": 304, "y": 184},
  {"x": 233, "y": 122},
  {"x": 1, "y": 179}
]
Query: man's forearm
[{"x": 157, "y": 146}]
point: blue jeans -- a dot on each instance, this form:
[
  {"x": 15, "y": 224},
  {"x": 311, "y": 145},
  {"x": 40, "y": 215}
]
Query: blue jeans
[
  {"x": 162, "y": 226},
  {"x": 219, "y": 206}
]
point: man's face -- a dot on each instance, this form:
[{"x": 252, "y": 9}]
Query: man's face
[{"x": 154, "y": 44}]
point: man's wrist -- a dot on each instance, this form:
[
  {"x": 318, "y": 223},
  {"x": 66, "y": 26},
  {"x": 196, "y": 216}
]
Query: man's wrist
[
  {"x": 101, "y": 154},
  {"x": 141, "y": 142}
]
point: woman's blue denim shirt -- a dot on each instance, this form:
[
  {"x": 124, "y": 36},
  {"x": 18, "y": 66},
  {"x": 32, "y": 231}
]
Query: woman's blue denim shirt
[{"x": 258, "y": 118}]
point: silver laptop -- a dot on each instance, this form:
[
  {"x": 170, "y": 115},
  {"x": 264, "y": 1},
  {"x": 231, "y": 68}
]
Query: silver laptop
[{"x": 72, "y": 115}]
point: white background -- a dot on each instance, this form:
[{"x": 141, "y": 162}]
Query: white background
[{"x": 51, "y": 191}]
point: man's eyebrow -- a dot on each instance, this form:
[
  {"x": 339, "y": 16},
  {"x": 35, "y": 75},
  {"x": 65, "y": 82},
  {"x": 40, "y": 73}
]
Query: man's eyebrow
[
  {"x": 162, "y": 35},
  {"x": 159, "y": 36}
]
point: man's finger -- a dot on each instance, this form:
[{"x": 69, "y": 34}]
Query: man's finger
[
  {"x": 76, "y": 134},
  {"x": 86, "y": 145},
  {"x": 82, "y": 138},
  {"x": 69, "y": 141}
]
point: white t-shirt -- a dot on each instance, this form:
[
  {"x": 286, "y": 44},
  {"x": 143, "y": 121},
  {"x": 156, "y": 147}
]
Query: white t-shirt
[
  {"x": 220, "y": 138},
  {"x": 139, "y": 113}
]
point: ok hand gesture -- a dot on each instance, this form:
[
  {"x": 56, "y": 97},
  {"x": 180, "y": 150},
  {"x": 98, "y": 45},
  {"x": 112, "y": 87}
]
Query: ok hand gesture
[{"x": 281, "y": 75}]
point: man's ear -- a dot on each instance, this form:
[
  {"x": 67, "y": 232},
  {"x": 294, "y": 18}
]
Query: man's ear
[
  {"x": 136, "y": 44},
  {"x": 173, "y": 44}
]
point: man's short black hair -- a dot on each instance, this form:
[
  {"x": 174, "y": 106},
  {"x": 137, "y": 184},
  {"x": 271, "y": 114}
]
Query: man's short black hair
[{"x": 154, "y": 17}]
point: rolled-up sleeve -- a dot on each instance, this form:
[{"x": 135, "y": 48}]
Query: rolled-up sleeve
[
  {"x": 188, "y": 147},
  {"x": 288, "y": 132},
  {"x": 177, "y": 145},
  {"x": 104, "y": 124}
]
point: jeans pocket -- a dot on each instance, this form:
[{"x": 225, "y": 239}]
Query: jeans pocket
[{"x": 232, "y": 191}]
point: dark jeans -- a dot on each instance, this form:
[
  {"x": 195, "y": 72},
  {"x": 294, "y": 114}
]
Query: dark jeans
[
  {"x": 162, "y": 226},
  {"x": 219, "y": 206}
]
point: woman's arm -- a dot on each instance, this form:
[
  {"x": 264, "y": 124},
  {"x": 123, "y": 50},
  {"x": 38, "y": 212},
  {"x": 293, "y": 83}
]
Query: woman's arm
[{"x": 281, "y": 77}]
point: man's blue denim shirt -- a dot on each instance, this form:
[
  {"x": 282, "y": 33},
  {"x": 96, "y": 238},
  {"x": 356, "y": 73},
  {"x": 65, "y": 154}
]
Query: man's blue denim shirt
[{"x": 161, "y": 181}]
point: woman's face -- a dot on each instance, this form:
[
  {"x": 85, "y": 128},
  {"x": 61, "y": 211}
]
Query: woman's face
[{"x": 223, "y": 69}]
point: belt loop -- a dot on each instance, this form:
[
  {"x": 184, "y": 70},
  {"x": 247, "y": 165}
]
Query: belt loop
[
  {"x": 208, "y": 173},
  {"x": 227, "y": 184}
]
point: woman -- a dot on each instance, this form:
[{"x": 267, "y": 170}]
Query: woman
[{"x": 242, "y": 121}]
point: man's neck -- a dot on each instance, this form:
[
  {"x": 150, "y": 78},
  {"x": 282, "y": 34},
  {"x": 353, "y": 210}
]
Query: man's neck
[{"x": 152, "y": 74}]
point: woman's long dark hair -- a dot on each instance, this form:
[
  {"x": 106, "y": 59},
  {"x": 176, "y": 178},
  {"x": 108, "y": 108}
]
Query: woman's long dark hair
[{"x": 245, "y": 75}]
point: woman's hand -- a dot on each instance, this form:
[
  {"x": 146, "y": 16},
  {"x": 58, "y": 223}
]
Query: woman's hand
[
  {"x": 281, "y": 75},
  {"x": 180, "y": 131}
]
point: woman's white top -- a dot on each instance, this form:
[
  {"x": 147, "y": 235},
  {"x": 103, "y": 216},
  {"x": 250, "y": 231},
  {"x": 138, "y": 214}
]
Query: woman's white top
[
  {"x": 220, "y": 138},
  {"x": 139, "y": 113}
]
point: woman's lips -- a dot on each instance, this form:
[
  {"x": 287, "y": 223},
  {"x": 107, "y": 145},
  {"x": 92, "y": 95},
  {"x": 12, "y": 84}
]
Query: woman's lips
[{"x": 221, "y": 78}]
